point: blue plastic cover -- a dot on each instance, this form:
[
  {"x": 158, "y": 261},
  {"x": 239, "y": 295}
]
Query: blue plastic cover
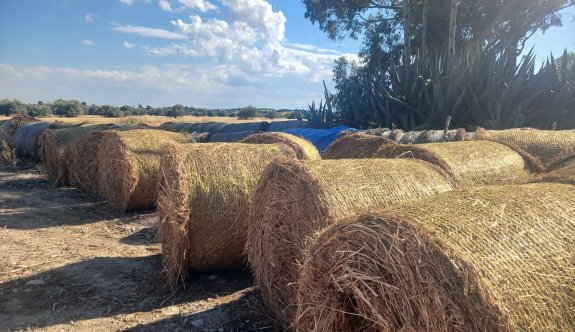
[{"x": 321, "y": 138}]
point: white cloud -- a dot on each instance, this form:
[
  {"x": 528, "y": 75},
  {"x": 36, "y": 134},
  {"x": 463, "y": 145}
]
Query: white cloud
[
  {"x": 128, "y": 44},
  {"x": 88, "y": 42},
  {"x": 149, "y": 32},
  {"x": 201, "y": 5},
  {"x": 90, "y": 17},
  {"x": 258, "y": 13},
  {"x": 165, "y": 5},
  {"x": 127, "y": 2}
]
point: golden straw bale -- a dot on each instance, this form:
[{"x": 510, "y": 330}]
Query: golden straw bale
[
  {"x": 294, "y": 199},
  {"x": 303, "y": 148},
  {"x": 57, "y": 149},
  {"x": 205, "y": 191},
  {"x": 547, "y": 146},
  {"x": 471, "y": 163},
  {"x": 355, "y": 146},
  {"x": 498, "y": 258},
  {"x": 128, "y": 165}
]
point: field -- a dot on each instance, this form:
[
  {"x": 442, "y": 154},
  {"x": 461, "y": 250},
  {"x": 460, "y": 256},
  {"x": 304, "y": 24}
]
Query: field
[{"x": 71, "y": 264}]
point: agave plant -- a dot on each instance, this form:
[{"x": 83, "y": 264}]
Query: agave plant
[{"x": 322, "y": 116}]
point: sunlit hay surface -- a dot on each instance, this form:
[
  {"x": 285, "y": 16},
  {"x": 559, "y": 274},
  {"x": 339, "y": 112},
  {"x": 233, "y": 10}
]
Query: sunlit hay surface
[
  {"x": 294, "y": 199},
  {"x": 355, "y": 146},
  {"x": 303, "y": 148},
  {"x": 205, "y": 192},
  {"x": 548, "y": 146},
  {"x": 470, "y": 163},
  {"x": 562, "y": 172},
  {"x": 128, "y": 166},
  {"x": 7, "y": 154},
  {"x": 57, "y": 148},
  {"x": 495, "y": 258}
]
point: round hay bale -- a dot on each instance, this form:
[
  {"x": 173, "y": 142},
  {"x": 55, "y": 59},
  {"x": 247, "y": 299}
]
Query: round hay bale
[
  {"x": 470, "y": 163},
  {"x": 173, "y": 126},
  {"x": 26, "y": 140},
  {"x": 295, "y": 199},
  {"x": 205, "y": 191},
  {"x": 128, "y": 166},
  {"x": 247, "y": 126},
  {"x": 495, "y": 258},
  {"x": 8, "y": 128},
  {"x": 355, "y": 146},
  {"x": 545, "y": 145},
  {"x": 57, "y": 149},
  {"x": 562, "y": 172},
  {"x": 7, "y": 153},
  {"x": 230, "y": 137},
  {"x": 302, "y": 148},
  {"x": 285, "y": 125}
]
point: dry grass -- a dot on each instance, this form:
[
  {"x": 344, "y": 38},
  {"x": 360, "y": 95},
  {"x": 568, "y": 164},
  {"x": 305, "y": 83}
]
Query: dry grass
[
  {"x": 302, "y": 148},
  {"x": 470, "y": 163},
  {"x": 294, "y": 199},
  {"x": 128, "y": 166},
  {"x": 355, "y": 146},
  {"x": 562, "y": 172},
  {"x": 7, "y": 153},
  {"x": 488, "y": 259},
  {"x": 205, "y": 191}
]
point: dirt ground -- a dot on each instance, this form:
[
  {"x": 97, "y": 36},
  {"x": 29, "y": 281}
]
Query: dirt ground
[{"x": 68, "y": 263}]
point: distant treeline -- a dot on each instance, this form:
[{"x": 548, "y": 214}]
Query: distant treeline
[{"x": 73, "y": 108}]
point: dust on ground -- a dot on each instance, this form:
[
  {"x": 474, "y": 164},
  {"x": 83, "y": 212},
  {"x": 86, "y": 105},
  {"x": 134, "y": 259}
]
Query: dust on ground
[{"x": 69, "y": 263}]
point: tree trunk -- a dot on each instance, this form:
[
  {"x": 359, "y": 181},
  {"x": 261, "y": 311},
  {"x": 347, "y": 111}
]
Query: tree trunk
[
  {"x": 452, "y": 29},
  {"x": 424, "y": 41},
  {"x": 407, "y": 42}
]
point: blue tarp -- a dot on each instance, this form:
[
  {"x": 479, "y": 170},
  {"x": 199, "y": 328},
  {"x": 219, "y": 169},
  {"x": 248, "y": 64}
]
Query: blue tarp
[{"x": 321, "y": 138}]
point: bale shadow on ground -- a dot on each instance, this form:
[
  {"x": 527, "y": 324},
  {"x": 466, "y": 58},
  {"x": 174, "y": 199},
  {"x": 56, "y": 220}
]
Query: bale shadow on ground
[
  {"x": 143, "y": 237},
  {"x": 104, "y": 287}
]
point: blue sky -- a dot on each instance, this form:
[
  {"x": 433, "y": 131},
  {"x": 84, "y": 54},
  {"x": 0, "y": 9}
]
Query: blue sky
[{"x": 203, "y": 53}]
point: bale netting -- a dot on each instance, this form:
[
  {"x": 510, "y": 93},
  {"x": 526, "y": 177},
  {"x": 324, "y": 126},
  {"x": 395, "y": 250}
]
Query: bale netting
[
  {"x": 128, "y": 166},
  {"x": 355, "y": 146},
  {"x": 247, "y": 126},
  {"x": 294, "y": 199},
  {"x": 302, "y": 148},
  {"x": 545, "y": 145},
  {"x": 205, "y": 191},
  {"x": 497, "y": 258},
  {"x": 57, "y": 149},
  {"x": 26, "y": 140},
  {"x": 470, "y": 163},
  {"x": 424, "y": 136},
  {"x": 563, "y": 172},
  {"x": 230, "y": 137}
]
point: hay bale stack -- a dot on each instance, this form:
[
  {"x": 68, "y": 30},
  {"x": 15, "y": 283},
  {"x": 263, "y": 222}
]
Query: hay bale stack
[
  {"x": 424, "y": 136},
  {"x": 128, "y": 166},
  {"x": 285, "y": 125},
  {"x": 173, "y": 126},
  {"x": 205, "y": 191},
  {"x": 355, "y": 146},
  {"x": 486, "y": 259},
  {"x": 547, "y": 146},
  {"x": 26, "y": 141},
  {"x": 230, "y": 137},
  {"x": 302, "y": 148},
  {"x": 8, "y": 128},
  {"x": 294, "y": 199},
  {"x": 471, "y": 163},
  {"x": 57, "y": 149},
  {"x": 562, "y": 172},
  {"x": 247, "y": 126}
]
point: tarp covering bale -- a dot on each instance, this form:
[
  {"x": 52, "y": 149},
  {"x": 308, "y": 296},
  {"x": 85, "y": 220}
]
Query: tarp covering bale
[
  {"x": 321, "y": 138},
  {"x": 230, "y": 137},
  {"x": 26, "y": 140},
  {"x": 496, "y": 258},
  {"x": 173, "y": 126},
  {"x": 247, "y": 126},
  {"x": 563, "y": 172},
  {"x": 128, "y": 166},
  {"x": 57, "y": 146},
  {"x": 8, "y": 128},
  {"x": 547, "y": 146},
  {"x": 205, "y": 191},
  {"x": 471, "y": 163},
  {"x": 302, "y": 148},
  {"x": 288, "y": 124},
  {"x": 294, "y": 199},
  {"x": 355, "y": 146}
]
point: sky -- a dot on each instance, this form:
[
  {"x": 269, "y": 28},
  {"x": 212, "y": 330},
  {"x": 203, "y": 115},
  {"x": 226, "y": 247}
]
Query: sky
[{"x": 200, "y": 53}]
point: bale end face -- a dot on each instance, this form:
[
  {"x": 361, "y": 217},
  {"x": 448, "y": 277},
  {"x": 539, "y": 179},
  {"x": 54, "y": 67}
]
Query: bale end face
[
  {"x": 355, "y": 146},
  {"x": 53, "y": 157},
  {"x": 303, "y": 149}
]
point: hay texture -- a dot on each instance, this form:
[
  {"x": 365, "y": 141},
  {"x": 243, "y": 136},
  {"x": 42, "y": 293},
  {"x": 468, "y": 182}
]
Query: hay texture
[
  {"x": 355, "y": 146},
  {"x": 294, "y": 199},
  {"x": 7, "y": 153},
  {"x": 495, "y": 258},
  {"x": 128, "y": 166},
  {"x": 562, "y": 172},
  {"x": 424, "y": 136},
  {"x": 471, "y": 163},
  {"x": 205, "y": 191},
  {"x": 547, "y": 146},
  {"x": 302, "y": 148},
  {"x": 57, "y": 149}
]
